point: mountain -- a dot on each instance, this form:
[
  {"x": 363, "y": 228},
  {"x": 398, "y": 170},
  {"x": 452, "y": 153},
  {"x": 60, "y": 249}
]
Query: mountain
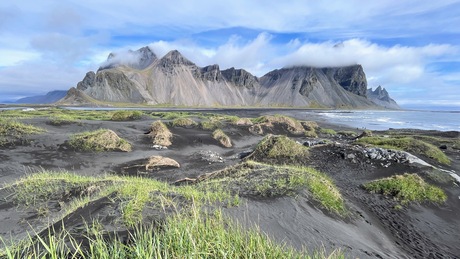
[
  {"x": 381, "y": 97},
  {"x": 50, "y": 97},
  {"x": 141, "y": 77}
]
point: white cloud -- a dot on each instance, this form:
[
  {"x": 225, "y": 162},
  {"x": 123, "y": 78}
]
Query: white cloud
[{"x": 62, "y": 40}]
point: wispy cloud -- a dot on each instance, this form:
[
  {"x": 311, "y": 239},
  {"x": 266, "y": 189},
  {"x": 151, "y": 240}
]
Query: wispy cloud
[{"x": 46, "y": 45}]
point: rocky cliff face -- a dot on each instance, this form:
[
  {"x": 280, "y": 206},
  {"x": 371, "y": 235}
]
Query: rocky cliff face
[
  {"x": 316, "y": 87},
  {"x": 381, "y": 97},
  {"x": 175, "y": 80}
]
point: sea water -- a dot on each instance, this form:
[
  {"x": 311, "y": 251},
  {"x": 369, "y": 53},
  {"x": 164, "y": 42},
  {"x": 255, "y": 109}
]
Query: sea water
[{"x": 383, "y": 119}]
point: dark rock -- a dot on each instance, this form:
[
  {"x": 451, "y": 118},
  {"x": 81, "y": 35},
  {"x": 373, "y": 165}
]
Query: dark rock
[
  {"x": 240, "y": 77},
  {"x": 244, "y": 154},
  {"x": 443, "y": 147}
]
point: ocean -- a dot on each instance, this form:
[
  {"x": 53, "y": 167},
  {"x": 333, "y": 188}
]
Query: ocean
[{"x": 383, "y": 120}]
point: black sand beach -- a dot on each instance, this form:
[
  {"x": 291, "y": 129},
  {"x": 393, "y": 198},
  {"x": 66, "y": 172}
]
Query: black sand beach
[{"x": 375, "y": 227}]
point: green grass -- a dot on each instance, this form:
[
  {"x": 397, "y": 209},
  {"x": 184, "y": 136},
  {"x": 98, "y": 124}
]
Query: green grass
[
  {"x": 12, "y": 130},
  {"x": 211, "y": 124},
  {"x": 172, "y": 115},
  {"x": 264, "y": 180},
  {"x": 15, "y": 128},
  {"x": 56, "y": 112},
  {"x": 133, "y": 192},
  {"x": 408, "y": 144},
  {"x": 192, "y": 235},
  {"x": 328, "y": 131},
  {"x": 193, "y": 232},
  {"x": 99, "y": 141},
  {"x": 280, "y": 150},
  {"x": 407, "y": 188},
  {"x": 223, "y": 138},
  {"x": 346, "y": 133},
  {"x": 183, "y": 122},
  {"x": 453, "y": 141},
  {"x": 126, "y": 115},
  {"x": 62, "y": 119}
]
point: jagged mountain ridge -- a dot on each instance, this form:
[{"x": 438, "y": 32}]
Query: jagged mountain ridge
[
  {"x": 175, "y": 80},
  {"x": 381, "y": 97}
]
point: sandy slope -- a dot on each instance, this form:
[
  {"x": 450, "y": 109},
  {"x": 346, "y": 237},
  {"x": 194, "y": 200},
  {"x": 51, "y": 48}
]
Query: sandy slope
[{"x": 373, "y": 229}]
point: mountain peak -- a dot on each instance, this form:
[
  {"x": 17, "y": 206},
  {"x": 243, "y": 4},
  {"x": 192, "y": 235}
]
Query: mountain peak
[
  {"x": 381, "y": 97},
  {"x": 174, "y": 57},
  {"x": 138, "y": 59}
]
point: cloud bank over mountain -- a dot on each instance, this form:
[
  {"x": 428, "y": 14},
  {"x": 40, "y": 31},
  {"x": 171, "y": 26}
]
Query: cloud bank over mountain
[{"x": 410, "y": 47}]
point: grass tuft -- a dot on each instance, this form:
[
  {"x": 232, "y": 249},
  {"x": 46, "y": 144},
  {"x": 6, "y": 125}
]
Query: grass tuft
[
  {"x": 327, "y": 131},
  {"x": 11, "y": 130},
  {"x": 211, "y": 124},
  {"x": 126, "y": 115},
  {"x": 223, "y": 139},
  {"x": 160, "y": 134},
  {"x": 98, "y": 141},
  {"x": 183, "y": 122},
  {"x": 407, "y": 188},
  {"x": 280, "y": 150},
  {"x": 14, "y": 128},
  {"x": 289, "y": 124}
]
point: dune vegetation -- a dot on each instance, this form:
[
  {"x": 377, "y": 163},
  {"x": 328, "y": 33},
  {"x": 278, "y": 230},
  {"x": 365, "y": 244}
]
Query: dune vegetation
[
  {"x": 223, "y": 138},
  {"x": 407, "y": 188},
  {"x": 98, "y": 141},
  {"x": 12, "y": 131},
  {"x": 279, "y": 149},
  {"x": 160, "y": 134},
  {"x": 126, "y": 115},
  {"x": 408, "y": 144},
  {"x": 264, "y": 180},
  {"x": 192, "y": 232},
  {"x": 183, "y": 122}
]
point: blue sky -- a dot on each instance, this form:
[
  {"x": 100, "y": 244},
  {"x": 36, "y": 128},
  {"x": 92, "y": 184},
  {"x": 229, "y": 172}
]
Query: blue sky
[{"x": 410, "y": 47}]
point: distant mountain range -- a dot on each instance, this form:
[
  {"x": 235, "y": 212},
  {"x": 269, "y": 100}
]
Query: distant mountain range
[
  {"x": 143, "y": 78},
  {"x": 50, "y": 97}
]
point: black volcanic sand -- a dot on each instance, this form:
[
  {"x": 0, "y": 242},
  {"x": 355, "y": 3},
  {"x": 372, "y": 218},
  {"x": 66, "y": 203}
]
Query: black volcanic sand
[{"x": 374, "y": 228}]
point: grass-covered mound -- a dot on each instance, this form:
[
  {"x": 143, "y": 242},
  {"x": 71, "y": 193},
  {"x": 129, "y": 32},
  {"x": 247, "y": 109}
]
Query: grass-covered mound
[
  {"x": 190, "y": 232},
  {"x": 61, "y": 119},
  {"x": 326, "y": 131},
  {"x": 11, "y": 130},
  {"x": 211, "y": 124},
  {"x": 126, "y": 115},
  {"x": 407, "y": 188},
  {"x": 242, "y": 122},
  {"x": 255, "y": 179},
  {"x": 223, "y": 138},
  {"x": 408, "y": 144},
  {"x": 270, "y": 122},
  {"x": 98, "y": 141},
  {"x": 160, "y": 134},
  {"x": 133, "y": 193},
  {"x": 279, "y": 150},
  {"x": 183, "y": 122},
  {"x": 310, "y": 128}
]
